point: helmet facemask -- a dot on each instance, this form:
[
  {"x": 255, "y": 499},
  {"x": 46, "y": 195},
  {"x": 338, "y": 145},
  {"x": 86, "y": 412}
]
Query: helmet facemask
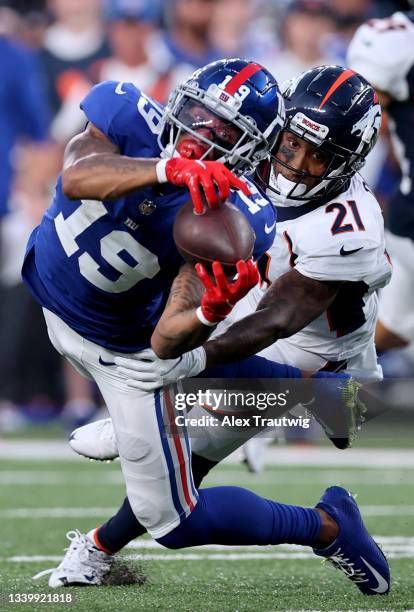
[
  {"x": 337, "y": 112},
  {"x": 243, "y": 146},
  {"x": 342, "y": 163}
]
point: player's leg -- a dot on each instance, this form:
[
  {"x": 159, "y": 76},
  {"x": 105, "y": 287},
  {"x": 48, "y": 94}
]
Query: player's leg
[
  {"x": 157, "y": 471},
  {"x": 162, "y": 493},
  {"x": 334, "y": 529},
  {"x": 337, "y": 408},
  {"x": 255, "y": 449},
  {"x": 210, "y": 446},
  {"x": 123, "y": 527},
  {"x": 155, "y": 464},
  {"x": 217, "y": 450},
  {"x": 395, "y": 327}
]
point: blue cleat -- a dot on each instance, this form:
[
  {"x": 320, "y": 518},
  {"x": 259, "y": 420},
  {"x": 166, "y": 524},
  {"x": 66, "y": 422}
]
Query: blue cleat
[{"x": 354, "y": 552}]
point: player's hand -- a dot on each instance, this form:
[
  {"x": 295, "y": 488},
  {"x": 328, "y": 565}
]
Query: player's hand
[
  {"x": 221, "y": 295},
  {"x": 148, "y": 372},
  {"x": 211, "y": 176}
]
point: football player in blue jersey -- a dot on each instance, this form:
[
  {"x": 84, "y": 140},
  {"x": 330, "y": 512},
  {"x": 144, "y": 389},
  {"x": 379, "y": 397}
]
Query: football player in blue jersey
[
  {"x": 156, "y": 468},
  {"x": 383, "y": 51}
]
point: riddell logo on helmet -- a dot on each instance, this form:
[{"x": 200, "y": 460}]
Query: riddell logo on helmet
[{"x": 318, "y": 129}]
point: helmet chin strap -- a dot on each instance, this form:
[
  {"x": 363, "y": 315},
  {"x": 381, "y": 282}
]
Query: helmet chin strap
[{"x": 285, "y": 188}]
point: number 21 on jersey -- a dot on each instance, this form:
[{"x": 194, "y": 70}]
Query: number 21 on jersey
[{"x": 347, "y": 217}]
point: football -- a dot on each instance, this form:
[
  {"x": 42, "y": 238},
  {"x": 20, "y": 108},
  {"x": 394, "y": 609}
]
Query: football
[{"x": 223, "y": 234}]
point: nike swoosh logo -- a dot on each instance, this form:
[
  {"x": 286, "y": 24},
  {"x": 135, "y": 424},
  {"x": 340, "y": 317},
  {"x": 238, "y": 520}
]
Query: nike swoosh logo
[
  {"x": 345, "y": 253},
  {"x": 119, "y": 90},
  {"x": 106, "y": 363},
  {"x": 269, "y": 230},
  {"x": 382, "y": 583}
]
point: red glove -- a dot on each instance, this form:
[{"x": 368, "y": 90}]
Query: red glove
[
  {"x": 219, "y": 298},
  {"x": 194, "y": 174}
]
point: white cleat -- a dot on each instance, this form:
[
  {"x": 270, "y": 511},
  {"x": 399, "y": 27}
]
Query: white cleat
[
  {"x": 82, "y": 565},
  {"x": 95, "y": 441}
]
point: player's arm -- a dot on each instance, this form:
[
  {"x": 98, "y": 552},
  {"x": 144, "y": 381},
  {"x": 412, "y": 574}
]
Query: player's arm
[
  {"x": 197, "y": 303},
  {"x": 179, "y": 328},
  {"x": 94, "y": 169},
  {"x": 290, "y": 304}
]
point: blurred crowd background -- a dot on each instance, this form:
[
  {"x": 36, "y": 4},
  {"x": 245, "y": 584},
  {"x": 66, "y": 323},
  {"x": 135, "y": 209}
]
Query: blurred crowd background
[{"x": 51, "y": 53}]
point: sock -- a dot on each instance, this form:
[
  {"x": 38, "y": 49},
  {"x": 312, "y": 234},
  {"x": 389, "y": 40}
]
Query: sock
[
  {"x": 231, "y": 515},
  {"x": 94, "y": 537},
  {"x": 124, "y": 526},
  {"x": 119, "y": 530}
]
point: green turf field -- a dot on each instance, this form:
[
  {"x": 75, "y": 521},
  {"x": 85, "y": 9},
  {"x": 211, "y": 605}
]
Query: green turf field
[{"x": 41, "y": 500}]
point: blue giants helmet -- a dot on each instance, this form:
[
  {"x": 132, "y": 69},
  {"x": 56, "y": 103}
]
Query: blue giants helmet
[
  {"x": 232, "y": 107},
  {"x": 336, "y": 110}
]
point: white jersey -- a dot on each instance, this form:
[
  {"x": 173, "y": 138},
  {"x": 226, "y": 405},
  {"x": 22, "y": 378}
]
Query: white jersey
[
  {"x": 382, "y": 50},
  {"x": 342, "y": 240}
]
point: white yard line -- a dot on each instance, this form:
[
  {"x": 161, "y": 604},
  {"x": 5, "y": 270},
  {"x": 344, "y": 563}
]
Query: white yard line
[
  {"x": 395, "y": 547},
  {"x": 47, "y": 513},
  {"x": 190, "y": 556},
  {"x": 57, "y": 512},
  {"x": 172, "y": 557},
  {"x": 36, "y": 449},
  {"x": 280, "y": 455},
  {"x": 60, "y": 477},
  {"x": 389, "y": 478},
  {"x": 388, "y": 543}
]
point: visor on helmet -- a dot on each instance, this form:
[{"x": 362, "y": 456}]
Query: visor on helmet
[{"x": 218, "y": 134}]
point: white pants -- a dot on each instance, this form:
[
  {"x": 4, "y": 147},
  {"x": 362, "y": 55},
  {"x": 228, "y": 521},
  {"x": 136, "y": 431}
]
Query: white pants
[
  {"x": 156, "y": 465},
  {"x": 396, "y": 308},
  {"x": 219, "y": 442}
]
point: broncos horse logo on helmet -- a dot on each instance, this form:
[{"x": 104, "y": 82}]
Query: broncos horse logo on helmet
[
  {"x": 233, "y": 108},
  {"x": 337, "y": 111}
]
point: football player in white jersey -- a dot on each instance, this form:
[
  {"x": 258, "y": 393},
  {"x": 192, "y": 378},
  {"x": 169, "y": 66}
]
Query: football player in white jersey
[
  {"x": 383, "y": 51},
  {"x": 318, "y": 297},
  {"x": 320, "y": 306}
]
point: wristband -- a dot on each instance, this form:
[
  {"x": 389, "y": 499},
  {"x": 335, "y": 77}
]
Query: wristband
[
  {"x": 160, "y": 169},
  {"x": 203, "y": 319}
]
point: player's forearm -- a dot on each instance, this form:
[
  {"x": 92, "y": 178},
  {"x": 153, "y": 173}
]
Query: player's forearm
[
  {"x": 246, "y": 337},
  {"x": 290, "y": 304},
  {"x": 179, "y": 334},
  {"x": 107, "y": 176},
  {"x": 179, "y": 329}
]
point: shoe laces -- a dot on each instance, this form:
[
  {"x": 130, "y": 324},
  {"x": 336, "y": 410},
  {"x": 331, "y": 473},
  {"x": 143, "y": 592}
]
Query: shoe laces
[
  {"x": 85, "y": 553},
  {"x": 344, "y": 564}
]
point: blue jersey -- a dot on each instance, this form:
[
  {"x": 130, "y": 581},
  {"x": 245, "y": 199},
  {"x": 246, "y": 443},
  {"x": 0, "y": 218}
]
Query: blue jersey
[{"x": 106, "y": 268}]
